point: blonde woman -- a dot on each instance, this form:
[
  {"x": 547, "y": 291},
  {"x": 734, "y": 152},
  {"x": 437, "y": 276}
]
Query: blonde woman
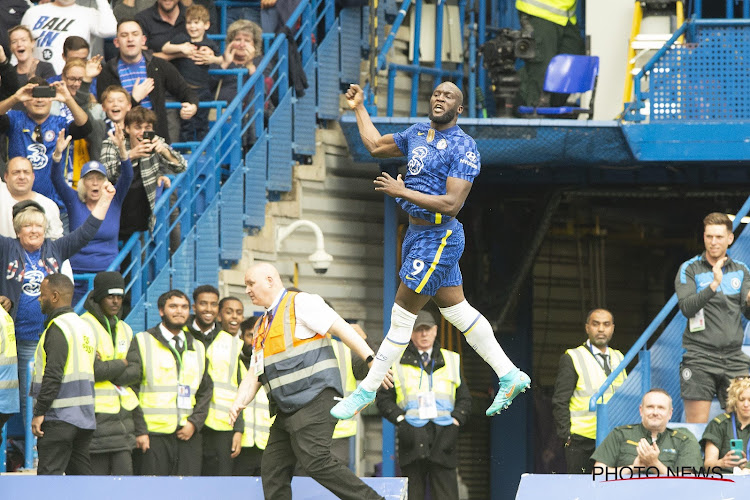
[{"x": 735, "y": 424}]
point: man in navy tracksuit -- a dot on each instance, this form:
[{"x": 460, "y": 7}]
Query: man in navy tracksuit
[{"x": 713, "y": 290}]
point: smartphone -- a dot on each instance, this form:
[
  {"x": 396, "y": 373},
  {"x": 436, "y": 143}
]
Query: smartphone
[
  {"x": 149, "y": 134},
  {"x": 43, "y": 91},
  {"x": 736, "y": 446}
]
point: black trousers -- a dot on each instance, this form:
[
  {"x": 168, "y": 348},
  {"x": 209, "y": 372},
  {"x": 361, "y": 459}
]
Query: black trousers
[
  {"x": 116, "y": 463},
  {"x": 64, "y": 448},
  {"x": 305, "y": 436},
  {"x": 217, "y": 452},
  {"x": 169, "y": 456},
  {"x": 578, "y": 454},
  {"x": 248, "y": 462},
  {"x": 443, "y": 480}
]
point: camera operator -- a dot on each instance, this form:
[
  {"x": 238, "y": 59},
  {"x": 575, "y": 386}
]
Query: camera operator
[{"x": 553, "y": 25}]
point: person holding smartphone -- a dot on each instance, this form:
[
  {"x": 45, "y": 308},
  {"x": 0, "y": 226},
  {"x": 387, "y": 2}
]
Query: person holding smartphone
[
  {"x": 152, "y": 159},
  {"x": 726, "y": 440}
]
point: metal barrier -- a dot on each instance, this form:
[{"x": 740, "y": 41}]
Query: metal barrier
[{"x": 654, "y": 363}]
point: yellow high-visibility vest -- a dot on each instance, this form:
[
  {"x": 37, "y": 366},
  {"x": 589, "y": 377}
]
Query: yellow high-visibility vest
[
  {"x": 107, "y": 397},
  {"x": 223, "y": 357},
  {"x": 345, "y": 428},
  {"x": 74, "y": 403},
  {"x": 590, "y": 378},
  {"x": 557, "y": 11},
  {"x": 9, "y": 402},
  {"x": 160, "y": 380},
  {"x": 411, "y": 380}
]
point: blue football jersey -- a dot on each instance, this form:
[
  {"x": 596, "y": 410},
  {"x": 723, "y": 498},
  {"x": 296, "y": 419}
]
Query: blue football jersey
[
  {"x": 433, "y": 157},
  {"x": 21, "y": 143}
]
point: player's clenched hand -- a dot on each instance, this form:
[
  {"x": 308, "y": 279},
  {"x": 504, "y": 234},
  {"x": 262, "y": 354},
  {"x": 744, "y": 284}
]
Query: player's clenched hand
[
  {"x": 354, "y": 96},
  {"x": 390, "y": 186}
]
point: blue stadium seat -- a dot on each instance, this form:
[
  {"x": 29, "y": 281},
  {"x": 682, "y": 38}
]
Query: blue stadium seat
[{"x": 568, "y": 74}]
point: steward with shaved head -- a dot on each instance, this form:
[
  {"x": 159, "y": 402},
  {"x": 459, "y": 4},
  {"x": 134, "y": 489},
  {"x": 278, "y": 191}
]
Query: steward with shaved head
[
  {"x": 443, "y": 162},
  {"x": 294, "y": 361}
]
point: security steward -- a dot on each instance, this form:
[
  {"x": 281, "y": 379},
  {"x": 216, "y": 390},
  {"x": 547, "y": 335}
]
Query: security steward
[
  {"x": 174, "y": 393},
  {"x": 582, "y": 372},
  {"x": 294, "y": 359},
  {"x": 222, "y": 442},
  {"x": 256, "y": 415},
  {"x": 9, "y": 403},
  {"x": 650, "y": 443},
  {"x": 114, "y": 438},
  {"x": 202, "y": 324},
  {"x": 63, "y": 383},
  {"x": 428, "y": 404}
]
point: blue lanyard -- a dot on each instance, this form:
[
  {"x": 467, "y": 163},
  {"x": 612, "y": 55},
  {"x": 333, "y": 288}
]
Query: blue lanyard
[
  {"x": 421, "y": 370},
  {"x": 734, "y": 431},
  {"x": 269, "y": 319}
]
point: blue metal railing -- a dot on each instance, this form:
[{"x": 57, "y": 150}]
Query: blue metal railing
[{"x": 640, "y": 348}]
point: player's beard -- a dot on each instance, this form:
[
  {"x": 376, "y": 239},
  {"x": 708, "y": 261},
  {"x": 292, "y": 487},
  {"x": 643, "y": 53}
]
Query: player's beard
[{"x": 446, "y": 117}]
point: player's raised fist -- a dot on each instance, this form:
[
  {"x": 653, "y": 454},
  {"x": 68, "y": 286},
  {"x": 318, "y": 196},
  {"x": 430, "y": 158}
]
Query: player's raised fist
[{"x": 354, "y": 96}]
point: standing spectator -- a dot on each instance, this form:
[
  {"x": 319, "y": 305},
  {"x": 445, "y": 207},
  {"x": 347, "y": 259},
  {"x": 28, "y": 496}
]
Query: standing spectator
[
  {"x": 202, "y": 323},
  {"x": 19, "y": 179},
  {"x": 147, "y": 78},
  {"x": 174, "y": 391},
  {"x": 160, "y": 23},
  {"x": 9, "y": 394},
  {"x": 28, "y": 260},
  {"x": 427, "y": 416},
  {"x": 114, "y": 438},
  {"x": 76, "y": 47},
  {"x": 33, "y": 133},
  {"x": 8, "y": 77},
  {"x": 127, "y": 9},
  {"x": 27, "y": 65},
  {"x": 650, "y": 443},
  {"x": 51, "y": 23},
  {"x": 244, "y": 49},
  {"x": 735, "y": 424},
  {"x": 99, "y": 253},
  {"x": 222, "y": 442},
  {"x": 257, "y": 417},
  {"x": 301, "y": 395},
  {"x": 553, "y": 25},
  {"x": 582, "y": 372},
  {"x": 713, "y": 291},
  {"x": 275, "y": 13},
  {"x": 194, "y": 52},
  {"x": 152, "y": 159},
  {"x": 63, "y": 384}
]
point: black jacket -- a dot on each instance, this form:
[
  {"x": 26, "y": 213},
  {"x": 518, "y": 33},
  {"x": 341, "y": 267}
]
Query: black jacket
[
  {"x": 202, "y": 395},
  {"x": 431, "y": 442},
  {"x": 114, "y": 432},
  {"x": 166, "y": 78},
  {"x": 206, "y": 338}
]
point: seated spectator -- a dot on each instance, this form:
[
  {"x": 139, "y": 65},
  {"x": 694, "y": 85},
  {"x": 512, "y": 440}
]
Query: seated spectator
[
  {"x": 152, "y": 159},
  {"x": 735, "y": 424},
  {"x": 160, "y": 23},
  {"x": 75, "y": 47},
  {"x": 99, "y": 253},
  {"x": 194, "y": 52},
  {"x": 19, "y": 178},
  {"x": 650, "y": 443},
  {"x": 22, "y": 46},
  {"x": 147, "y": 78},
  {"x": 28, "y": 260},
  {"x": 33, "y": 133},
  {"x": 44, "y": 21}
]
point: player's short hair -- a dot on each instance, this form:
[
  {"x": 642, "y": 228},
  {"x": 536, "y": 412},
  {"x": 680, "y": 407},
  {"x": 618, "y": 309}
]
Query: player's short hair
[
  {"x": 74, "y": 42},
  {"x": 73, "y": 63},
  {"x": 112, "y": 89},
  {"x": 164, "y": 297},
  {"x": 205, "y": 289},
  {"x": 246, "y": 26},
  {"x": 139, "y": 114},
  {"x": 197, "y": 12},
  {"x": 21, "y": 27},
  {"x": 717, "y": 219}
]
